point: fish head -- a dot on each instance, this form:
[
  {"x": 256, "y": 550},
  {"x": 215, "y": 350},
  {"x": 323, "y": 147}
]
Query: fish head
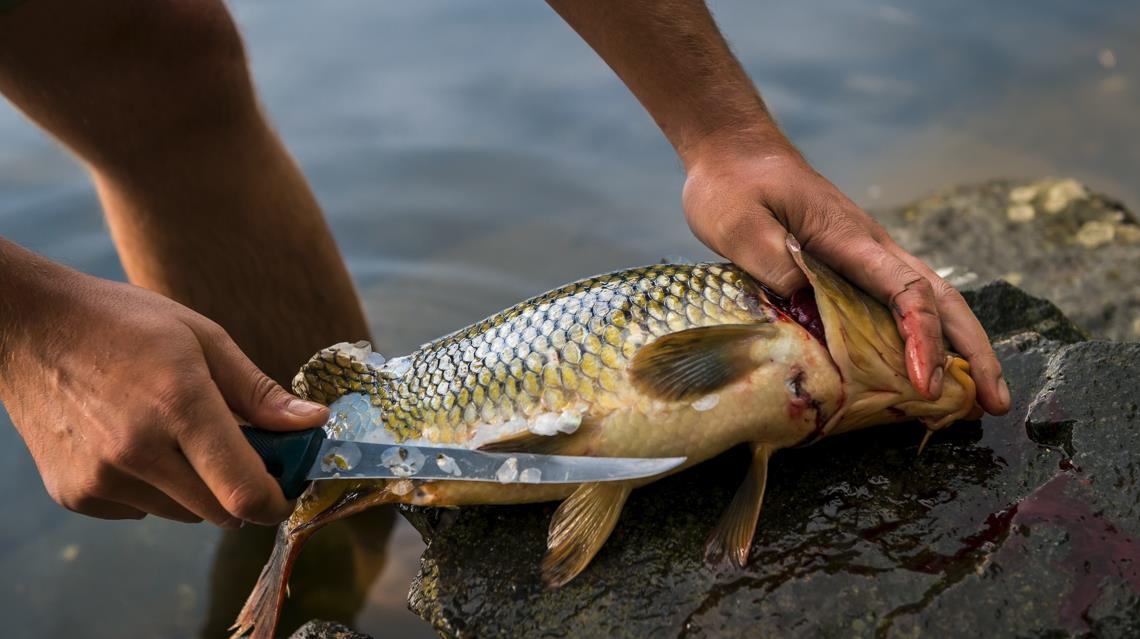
[{"x": 864, "y": 342}]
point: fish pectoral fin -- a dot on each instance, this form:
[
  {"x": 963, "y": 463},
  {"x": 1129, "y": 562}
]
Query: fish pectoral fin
[
  {"x": 733, "y": 533},
  {"x": 580, "y": 526},
  {"x": 697, "y": 361}
]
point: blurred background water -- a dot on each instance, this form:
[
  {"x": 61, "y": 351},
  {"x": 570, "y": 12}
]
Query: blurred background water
[{"x": 469, "y": 155}]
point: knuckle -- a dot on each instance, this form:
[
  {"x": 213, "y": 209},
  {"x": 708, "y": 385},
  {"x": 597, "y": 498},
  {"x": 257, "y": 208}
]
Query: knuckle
[
  {"x": 96, "y": 481},
  {"x": 174, "y": 404},
  {"x": 917, "y": 293},
  {"x": 79, "y": 501},
  {"x": 948, "y": 294},
  {"x": 213, "y": 331},
  {"x": 245, "y": 501},
  {"x": 263, "y": 390},
  {"x": 729, "y": 231},
  {"x": 57, "y": 493},
  {"x": 831, "y": 211},
  {"x": 126, "y": 451}
]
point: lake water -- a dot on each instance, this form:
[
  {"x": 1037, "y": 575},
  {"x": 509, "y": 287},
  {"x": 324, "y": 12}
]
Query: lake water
[{"x": 468, "y": 156}]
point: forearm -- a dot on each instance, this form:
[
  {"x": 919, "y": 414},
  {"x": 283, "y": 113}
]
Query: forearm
[
  {"x": 204, "y": 203},
  {"x": 673, "y": 58},
  {"x": 241, "y": 240}
]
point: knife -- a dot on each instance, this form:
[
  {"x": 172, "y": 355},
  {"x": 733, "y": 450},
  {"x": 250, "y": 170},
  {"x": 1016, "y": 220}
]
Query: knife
[{"x": 296, "y": 458}]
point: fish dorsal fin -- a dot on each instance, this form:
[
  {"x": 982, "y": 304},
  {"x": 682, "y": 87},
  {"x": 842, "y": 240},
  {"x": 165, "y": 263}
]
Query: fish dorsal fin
[
  {"x": 580, "y": 526},
  {"x": 733, "y": 533},
  {"x": 696, "y": 361}
]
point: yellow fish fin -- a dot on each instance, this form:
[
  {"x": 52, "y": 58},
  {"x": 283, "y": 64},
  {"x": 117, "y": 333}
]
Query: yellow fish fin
[
  {"x": 733, "y": 533},
  {"x": 579, "y": 528},
  {"x": 556, "y": 444},
  {"x": 696, "y": 361},
  {"x": 322, "y": 503}
]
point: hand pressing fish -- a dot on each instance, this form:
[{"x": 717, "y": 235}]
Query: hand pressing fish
[{"x": 660, "y": 361}]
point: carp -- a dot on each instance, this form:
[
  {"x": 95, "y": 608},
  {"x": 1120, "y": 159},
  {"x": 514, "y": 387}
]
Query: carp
[{"x": 667, "y": 360}]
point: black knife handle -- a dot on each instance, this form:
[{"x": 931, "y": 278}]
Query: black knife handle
[{"x": 288, "y": 456}]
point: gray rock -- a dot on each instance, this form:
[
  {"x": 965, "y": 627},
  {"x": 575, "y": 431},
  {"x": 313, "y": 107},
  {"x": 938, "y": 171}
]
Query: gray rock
[
  {"x": 317, "y": 629},
  {"x": 1005, "y": 311},
  {"x": 1023, "y": 525},
  {"x": 1054, "y": 238}
]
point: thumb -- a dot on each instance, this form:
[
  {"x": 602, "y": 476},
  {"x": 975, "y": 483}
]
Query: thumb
[
  {"x": 251, "y": 393},
  {"x": 757, "y": 242}
]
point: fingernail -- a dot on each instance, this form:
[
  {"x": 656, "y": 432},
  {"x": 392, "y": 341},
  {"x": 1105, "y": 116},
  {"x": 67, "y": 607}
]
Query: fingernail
[
  {"x": 1003, "y": 392},
  {"x": 233, "y": 523},
  {"x": 934, "y": 386},
  {"x": 302, "y": 408}
]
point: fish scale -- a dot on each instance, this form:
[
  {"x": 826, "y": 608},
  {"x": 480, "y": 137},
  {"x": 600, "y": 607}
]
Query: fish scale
[{"x": 560, "y": 351}]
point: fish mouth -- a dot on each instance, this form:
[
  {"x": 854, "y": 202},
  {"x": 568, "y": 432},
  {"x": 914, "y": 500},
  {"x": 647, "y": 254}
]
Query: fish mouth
[{"x": 864, "y": 342}]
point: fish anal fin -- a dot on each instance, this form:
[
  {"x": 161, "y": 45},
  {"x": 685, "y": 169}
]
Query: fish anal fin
[
  {"x": 732, "y": 536},
  {"x": 580, "y": 526},
  {"x": 696, "y": 361},
  {"x": 322, "y": 504}
]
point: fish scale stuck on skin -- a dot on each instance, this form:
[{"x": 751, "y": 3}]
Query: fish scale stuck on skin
[
  {"x": 660, "y": 361},
  {"x": 553, "y": 423}
]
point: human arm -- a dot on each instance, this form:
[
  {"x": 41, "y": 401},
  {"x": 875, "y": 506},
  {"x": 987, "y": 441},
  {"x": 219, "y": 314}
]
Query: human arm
[
  {"x": 747, "y": 186},
  {"x": 124, "y": 399},
  {"x": 123, "y": 396}
]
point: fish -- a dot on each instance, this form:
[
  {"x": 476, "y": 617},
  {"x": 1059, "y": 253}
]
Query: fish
[{"x": 668, "y": 360}]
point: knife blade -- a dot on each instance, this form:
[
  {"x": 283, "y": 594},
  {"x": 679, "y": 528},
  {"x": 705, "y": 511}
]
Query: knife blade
[{"x": 295, "y": 458}]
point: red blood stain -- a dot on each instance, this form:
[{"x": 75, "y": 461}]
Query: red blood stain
[
  {"x": 801, "y": 401},
  {"x": 801, "y": 308},
  {"x": 1097, "y": 548}
]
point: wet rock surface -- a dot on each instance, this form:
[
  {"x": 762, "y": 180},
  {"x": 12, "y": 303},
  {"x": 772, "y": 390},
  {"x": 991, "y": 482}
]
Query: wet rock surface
[
  {"x": 1023, "y": 525},
  {"x": 317, "y": 629},
  {"x": 1055, "y": 238}
]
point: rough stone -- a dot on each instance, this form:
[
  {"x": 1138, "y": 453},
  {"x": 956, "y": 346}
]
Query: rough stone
[
  {"x": 1005, "y": 311},
  {"x": 317, "y": 629},
  {"x": 1022, "y": 525},
  {"x": 1053, "y": 237}
]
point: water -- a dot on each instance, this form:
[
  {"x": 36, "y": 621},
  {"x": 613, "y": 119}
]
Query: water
[{"x": 468, "y": 156}]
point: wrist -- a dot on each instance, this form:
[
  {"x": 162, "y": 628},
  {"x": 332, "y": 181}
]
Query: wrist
[
  {"x": 758, "y": 141},
  {"x": 32, "y": 286}
]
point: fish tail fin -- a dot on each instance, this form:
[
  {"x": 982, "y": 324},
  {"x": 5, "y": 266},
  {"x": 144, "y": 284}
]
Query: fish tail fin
[
  {"x": 323, "y": 503},
  {"x": 262, "y": 608}
]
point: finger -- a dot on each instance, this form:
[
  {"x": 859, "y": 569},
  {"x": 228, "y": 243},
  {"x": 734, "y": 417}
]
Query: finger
[
  {"x": 148, "y": 499},
  {"x": 908, "y": 294},
  {"x": 250, "y": 392},
  {"x": 217, "y": 451},
  {"x": 174, "y": 477},
  {"x": 755, "y": 241},
  {"x": 968, "y": 338},
  {"x": 104, "y": 509}
]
